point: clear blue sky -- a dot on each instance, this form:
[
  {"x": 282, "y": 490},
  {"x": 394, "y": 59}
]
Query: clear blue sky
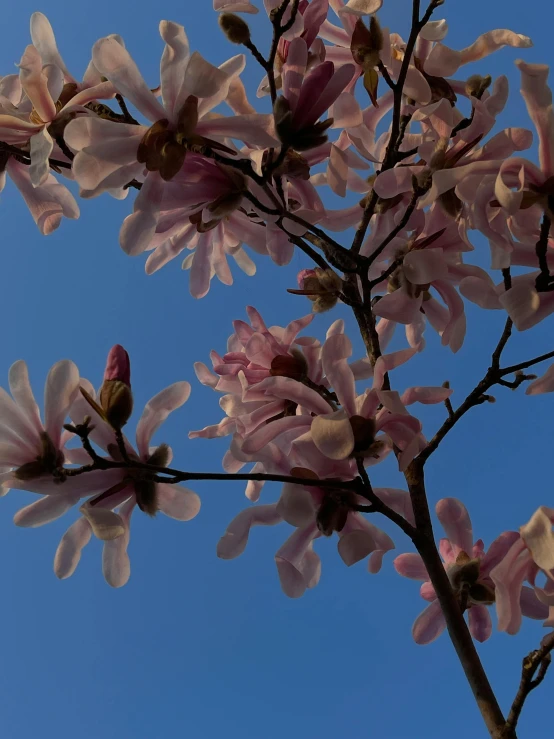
[{"x": 193, "y": 646}]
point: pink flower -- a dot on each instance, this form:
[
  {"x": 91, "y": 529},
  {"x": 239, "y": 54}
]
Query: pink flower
[
  {"x": 116, "y": 492},
  {"x": 110, "y": 155},
  {"x": 471, "y": 573},
  {"x": 315, "y": 512},
  {"x": 32, "y": 449},
  {"x": 307, "y": 97}
]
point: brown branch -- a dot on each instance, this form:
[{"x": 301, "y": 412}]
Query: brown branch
[
  {"x": 455, "y": 622},
  {"x": 533, "y": 672},
  {"x": 541, "y": 249}
]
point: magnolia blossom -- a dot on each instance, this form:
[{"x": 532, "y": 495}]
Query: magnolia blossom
[
  {"x": 471, "y": 571},
  {"x": 315, "y": 512},
  {"x": 110, "y": 155},
  {"x": 116, "y": 491}
]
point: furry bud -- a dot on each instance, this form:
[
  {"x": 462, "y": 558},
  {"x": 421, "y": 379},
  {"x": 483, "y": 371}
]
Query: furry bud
[{"x": 236, "y": 30}]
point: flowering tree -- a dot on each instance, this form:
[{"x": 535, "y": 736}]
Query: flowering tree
[{"x": 352, "y": 108}]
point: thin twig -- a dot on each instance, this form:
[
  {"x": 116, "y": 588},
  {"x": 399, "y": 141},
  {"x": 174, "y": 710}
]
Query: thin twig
[{"x": 533, "y": 672}]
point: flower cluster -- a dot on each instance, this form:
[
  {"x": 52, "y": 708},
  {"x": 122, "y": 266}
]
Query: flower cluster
[{"x": 216, "y": 179}]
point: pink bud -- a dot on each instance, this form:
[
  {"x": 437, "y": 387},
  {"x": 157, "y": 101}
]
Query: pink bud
[
  {"x": 302, "y": 276},
  {"x": 118, "y": 366}
]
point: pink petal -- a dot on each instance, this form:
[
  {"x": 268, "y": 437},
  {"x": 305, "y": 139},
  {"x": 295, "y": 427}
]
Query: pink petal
[
  {"x": 544, "y": 384},
  {"x": 498, "y": 550},
  {"x": 531, "y": 606},
  {"x": 173, "y": 63},
  {"x": 455, "y": 521},
  {"x": 354, "y": 546},
  {"x": 116, "y": 566},
  {"x": 538, "y": 98},
  {"x": 114, "y": 62},
  {"x": 62, "y": 386},
  {"x": 411, "y": 565},
  {"x": 508, "y": 577},
  {"x": 157, "y": 410},
  {"x": 334, "y": 355},
  {"x": 35, "y": 84},
  {"x": 41, "y": 148},
  {"x": 298, "y": 565},
  {"x": 177, "y": 502},
  {"x": 398, "y": 306},
  {"x": 20, "y": 388},
  {"x": 491, "y": 41},
  {"x": 69, "y": 549},
  {"x": 235, "y": 538},
  {"x": 270, "y": 431},
  {"x": 44, "y": 41},
  {"x": 139, "y": 228},
  {"x": 47, "y": 203},
  {"x": 45, "y": 510},
  {"x": 424, "y": 266},
  {"x": 296, "y": 505},
  {"x": 429, "y": 625},
  {"x": 480, "y": 624}
]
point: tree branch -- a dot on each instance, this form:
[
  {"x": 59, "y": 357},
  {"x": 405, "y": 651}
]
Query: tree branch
[{"x": 534, "y": 664}]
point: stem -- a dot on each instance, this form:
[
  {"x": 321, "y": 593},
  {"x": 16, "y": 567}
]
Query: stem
[
  {"x": 455, "y": 622},
  {"x": 541, "y": 249},
  {"x": 535, "y": 663}
]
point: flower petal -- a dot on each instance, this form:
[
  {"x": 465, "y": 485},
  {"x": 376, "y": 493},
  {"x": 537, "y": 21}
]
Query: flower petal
[
  {"x": 429, "y": 625},
  {"x": 69, "y": 549},
  {"x": 235, "y": 538},
  {"x": 177, "y": 502},
  {"x": 157, "y": 410}
]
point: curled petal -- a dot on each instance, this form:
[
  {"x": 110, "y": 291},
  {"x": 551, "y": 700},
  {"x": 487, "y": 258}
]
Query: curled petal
[
  {"x": 157, "y": 410},
  {"x": 298, "y": 565},
  {"x": 235, "y": 538},
  {"x": 105, "y": 524},
  {"x": 537, "y": 535}
]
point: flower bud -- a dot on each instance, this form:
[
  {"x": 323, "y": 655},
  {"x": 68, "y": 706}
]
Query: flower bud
[
  {"x": 476, "y": 85},
  {"x": 116, "y": 399},
  {"x": 234, "y": 28},
  {"x": 321, "y": 286},
  {"x": 334, "y": 510},
  {"x": 367, "y": 43}
]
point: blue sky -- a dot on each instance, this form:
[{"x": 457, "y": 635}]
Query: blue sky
[{"x": 194, "y": 646}]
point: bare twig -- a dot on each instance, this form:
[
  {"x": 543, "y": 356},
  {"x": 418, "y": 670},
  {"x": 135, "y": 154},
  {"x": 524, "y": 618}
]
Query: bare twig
[{"x": 533, "y": 672}]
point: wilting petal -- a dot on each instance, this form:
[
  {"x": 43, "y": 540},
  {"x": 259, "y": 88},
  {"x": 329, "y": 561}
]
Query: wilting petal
[
  {"x": 455, "y": 521},
  {"x": 332, "y": 434},
  {"x": 538, "y": 98},
  {"x": 105, "y": 524},
  {"x": 362, "y": 7},
  {"x": 69, "y": 549},
  {"x": 355, "y": 545},
  {"x": 157, "y": 410},
  {"x": 491, "y": 41},
  {"x": 45, "y": 510},
  {"x": 442, "y": 61},
  {"x": 177, "y": 502},
  {"x": 480, "y": 624},
  {"x": 537, "y": 535},
  {"x": 411, "y": 565},
  {"x": 429, "y": 625}
]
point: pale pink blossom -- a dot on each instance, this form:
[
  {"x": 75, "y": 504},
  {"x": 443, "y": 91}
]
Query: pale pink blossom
[
  {"x": 470, "y": 569},
  {"x": 116, "y": 492}
]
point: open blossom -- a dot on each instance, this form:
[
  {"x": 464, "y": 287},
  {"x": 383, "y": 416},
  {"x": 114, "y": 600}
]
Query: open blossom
[
  {"x": 115, "y": 492},
  {"x": 110, "y": 155},
  {"x": 470, "y": 570},
  {"x": 315, "y": 512},
  {"x": 31, "y": 448}
]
